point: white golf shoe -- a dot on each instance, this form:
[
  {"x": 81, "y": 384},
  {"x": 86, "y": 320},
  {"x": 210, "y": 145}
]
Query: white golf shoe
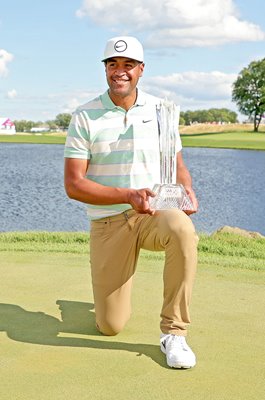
[{"x": 178, "y": 353}]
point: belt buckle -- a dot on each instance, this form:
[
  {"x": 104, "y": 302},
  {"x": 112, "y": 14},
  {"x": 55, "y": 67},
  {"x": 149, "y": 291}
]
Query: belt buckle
[{"x": 126, "y": 215}]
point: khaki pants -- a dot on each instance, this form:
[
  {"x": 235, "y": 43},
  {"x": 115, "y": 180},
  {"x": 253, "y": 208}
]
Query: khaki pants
[{"x": 115, "y": 243}]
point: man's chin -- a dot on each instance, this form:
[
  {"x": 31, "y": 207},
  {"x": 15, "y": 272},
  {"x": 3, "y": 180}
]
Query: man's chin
[{"x": 119, "y": 91}]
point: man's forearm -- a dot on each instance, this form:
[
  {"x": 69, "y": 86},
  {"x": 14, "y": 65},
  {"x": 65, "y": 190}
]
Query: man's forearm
[
  {"x": 184, "y": 177},
  {"x": 90, "y": 192},
  {"x": 87, "y": 191}
]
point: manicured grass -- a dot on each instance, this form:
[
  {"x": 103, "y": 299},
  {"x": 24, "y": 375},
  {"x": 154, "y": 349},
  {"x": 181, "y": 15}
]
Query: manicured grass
[
  {"x": 234, "y": 136},
  {"x": 36, "y": 139},
  {"x": 52, "y": 350},
  {"x": 230, "y": 140},
  {"x": 219, "y": 249}
]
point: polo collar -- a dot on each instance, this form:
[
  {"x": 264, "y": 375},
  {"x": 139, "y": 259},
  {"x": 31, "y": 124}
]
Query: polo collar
[{"x": 140, "y": 101}]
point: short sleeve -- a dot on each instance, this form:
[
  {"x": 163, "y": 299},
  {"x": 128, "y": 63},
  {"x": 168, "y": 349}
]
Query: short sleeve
[{"x": 77, "y": 143}]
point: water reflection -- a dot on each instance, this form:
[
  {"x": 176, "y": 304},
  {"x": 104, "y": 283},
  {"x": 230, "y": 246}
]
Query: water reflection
[
  {"x": 229, "y": 186},
  {"x": 32, "y": 194}
]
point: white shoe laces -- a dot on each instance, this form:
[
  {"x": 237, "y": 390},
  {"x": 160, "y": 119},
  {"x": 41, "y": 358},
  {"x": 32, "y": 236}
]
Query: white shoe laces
[
  {"x": 179, "y": 354},
  {"x": 174, "y": 342}
]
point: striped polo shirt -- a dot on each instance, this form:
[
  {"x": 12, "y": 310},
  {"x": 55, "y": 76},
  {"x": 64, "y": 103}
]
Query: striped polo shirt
[{"x": 122, "y": 146}]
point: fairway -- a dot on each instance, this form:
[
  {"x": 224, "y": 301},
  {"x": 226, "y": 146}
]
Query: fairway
[
  {"x": 35, "y": 139},
  {"x": 229, "y": 136},
  {"x": 50, "y": 348},
  {"x": 226, "y": 140}
]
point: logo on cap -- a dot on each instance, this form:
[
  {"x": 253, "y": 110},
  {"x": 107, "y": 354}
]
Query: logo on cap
[{"x": 120, "y": 46}]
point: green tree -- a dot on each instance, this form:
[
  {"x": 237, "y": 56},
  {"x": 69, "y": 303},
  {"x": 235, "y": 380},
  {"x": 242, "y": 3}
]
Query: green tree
[
  {"x": 249, "y": 91},
  {"x": 51, "y": 124},
  {"x": 217, "y": 115},
  {"x": 181, "y": 118},
  {"x": 63, "y": 120},
  {"x": 223, "y": 115},
  {"x": 23, "y": 125},
  {"x": 188, "y": 117}
]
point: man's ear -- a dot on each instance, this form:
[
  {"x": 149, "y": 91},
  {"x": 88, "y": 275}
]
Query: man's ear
[{"x": 142, "y": 68}]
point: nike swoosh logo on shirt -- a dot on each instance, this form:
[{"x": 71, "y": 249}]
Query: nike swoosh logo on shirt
[{"x": 146, "y": 120}]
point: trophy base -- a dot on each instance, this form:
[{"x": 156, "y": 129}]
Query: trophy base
[{"x": 170, "y": 196}]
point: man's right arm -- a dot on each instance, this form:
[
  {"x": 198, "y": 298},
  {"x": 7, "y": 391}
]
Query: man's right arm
[{"x": 78, "y": 187}]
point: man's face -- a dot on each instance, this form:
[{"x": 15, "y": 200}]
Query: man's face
[{"x": 123, "y": 75}]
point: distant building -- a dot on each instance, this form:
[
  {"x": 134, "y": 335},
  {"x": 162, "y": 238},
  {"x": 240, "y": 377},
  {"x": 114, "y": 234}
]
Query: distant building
[
  {"x": 7, "y": 127},
  {"x": 39, "y": 129}
]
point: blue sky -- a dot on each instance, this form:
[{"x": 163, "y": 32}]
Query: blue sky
[{"x": 50, "y": 50}]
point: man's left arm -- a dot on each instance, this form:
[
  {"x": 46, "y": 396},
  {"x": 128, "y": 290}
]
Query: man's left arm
[{"x": 184, "y": 177}]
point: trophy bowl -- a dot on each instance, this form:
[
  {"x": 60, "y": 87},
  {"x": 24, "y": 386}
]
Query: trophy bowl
[{"x": 170, "y": 196}]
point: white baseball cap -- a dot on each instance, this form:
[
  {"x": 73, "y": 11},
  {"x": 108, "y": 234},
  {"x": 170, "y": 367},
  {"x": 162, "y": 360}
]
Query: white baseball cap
[{"x": 124, "y": 46}]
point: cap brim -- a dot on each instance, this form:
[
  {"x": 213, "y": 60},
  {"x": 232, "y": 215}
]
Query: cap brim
[{"x": 115, "y": 56}]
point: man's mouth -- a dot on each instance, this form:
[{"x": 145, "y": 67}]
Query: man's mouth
[{"x": 120, "y": 81}]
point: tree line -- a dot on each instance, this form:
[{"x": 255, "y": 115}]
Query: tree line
[
  {"x": 61, "y": 122},
  {"x": 248, "y": 92},
  {"x": 213, "y": 115}
]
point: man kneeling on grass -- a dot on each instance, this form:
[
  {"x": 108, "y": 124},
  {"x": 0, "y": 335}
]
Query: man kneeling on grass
[{"x": 111, "y": 160}]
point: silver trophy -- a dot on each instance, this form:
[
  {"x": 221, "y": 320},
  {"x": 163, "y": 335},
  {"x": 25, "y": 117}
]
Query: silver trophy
[{"x": 169, "y": 194}]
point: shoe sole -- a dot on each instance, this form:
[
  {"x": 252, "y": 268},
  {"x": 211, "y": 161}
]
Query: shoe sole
[{"x": 176, "y": 366}]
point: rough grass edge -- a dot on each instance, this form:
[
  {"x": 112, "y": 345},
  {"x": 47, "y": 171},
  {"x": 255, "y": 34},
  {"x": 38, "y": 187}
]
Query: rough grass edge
[{"x": 227, "y": 249}]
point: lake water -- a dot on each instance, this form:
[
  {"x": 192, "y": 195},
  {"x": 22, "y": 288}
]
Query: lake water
[{"x": 229, "y": 185}]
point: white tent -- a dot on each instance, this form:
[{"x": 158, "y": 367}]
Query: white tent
[{"x": 7, "y": 127}]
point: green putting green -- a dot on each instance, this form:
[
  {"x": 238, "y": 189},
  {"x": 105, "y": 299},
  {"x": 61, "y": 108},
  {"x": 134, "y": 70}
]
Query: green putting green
[{"x": 50, "y": 348}]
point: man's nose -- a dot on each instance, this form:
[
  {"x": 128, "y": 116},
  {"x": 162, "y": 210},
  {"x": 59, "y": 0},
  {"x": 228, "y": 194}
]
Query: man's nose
[{"x": 119, "y": 71}]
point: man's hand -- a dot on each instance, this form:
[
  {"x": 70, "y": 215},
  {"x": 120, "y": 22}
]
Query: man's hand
[
  {"x": 139, "y": 200},
  {"x": 194, "y": 201}
]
